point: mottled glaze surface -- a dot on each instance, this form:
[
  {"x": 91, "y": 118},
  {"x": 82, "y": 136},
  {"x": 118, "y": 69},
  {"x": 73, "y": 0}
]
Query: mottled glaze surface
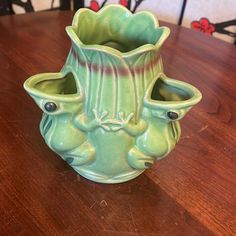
[{"x": 111, "y": 111}]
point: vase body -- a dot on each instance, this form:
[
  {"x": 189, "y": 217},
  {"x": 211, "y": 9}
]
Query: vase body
[{"x": 111, "y": 112}]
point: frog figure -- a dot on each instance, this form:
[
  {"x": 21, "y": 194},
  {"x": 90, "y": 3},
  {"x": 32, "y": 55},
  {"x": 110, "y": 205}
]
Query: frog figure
[
  {"x": 167, "y": 101},
  {"x": 59, "y": 100}
]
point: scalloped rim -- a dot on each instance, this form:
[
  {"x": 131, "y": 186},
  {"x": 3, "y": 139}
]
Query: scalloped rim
[{"x": 75, "y": 23}]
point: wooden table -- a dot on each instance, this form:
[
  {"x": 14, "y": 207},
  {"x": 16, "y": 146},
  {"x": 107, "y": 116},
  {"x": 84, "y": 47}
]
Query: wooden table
[{"x": 191, "y": 192}]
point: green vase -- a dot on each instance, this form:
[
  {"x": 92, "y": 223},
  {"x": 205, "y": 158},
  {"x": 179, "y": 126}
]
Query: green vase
[{"x": 111, "y": 112}]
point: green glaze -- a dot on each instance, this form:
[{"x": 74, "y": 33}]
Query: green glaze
[{"x": 111, "y": 111}]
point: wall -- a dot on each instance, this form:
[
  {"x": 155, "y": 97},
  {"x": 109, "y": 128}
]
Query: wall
[{"x": 217, "y": 14}]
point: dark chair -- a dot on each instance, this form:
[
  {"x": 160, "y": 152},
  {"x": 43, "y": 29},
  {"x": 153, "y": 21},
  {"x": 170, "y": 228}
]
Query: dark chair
[{"x": 7, "y": 9}]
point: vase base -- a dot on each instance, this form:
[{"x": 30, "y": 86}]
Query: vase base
[{"x": 107, "y": 179}]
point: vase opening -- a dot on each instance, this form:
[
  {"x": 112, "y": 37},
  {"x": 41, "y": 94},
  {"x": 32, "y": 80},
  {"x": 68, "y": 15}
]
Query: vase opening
[
  {"x": 65, "y": 85},
  {"x": 162, "y": 91},
  {"x": 116, "y": 27},
  {"x": 119, "y": 40}
]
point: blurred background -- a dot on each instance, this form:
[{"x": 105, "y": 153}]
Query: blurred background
[{"x": 211, "y": 17}]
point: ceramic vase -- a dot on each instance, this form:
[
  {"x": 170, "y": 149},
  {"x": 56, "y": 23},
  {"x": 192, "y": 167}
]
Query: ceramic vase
[{"x": 111, "y": 112}]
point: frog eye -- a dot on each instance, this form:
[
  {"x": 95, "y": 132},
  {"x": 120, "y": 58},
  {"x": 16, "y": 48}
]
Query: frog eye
[
  {"x": 172, "y": 115},
  {"x": 50, "y": 106}
]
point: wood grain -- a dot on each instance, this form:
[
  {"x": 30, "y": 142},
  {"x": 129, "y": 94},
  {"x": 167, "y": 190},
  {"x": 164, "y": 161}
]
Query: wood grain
[{"x": 191, "y": 192}]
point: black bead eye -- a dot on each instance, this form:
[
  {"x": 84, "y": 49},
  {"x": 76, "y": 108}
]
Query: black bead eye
[
  {"x": 172, "y": 115},
  {"x": 50, "y": 106}
]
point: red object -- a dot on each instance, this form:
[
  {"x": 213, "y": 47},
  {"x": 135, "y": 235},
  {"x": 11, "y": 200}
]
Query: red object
[
  {"x": 124, "y": 3},
  {"x": 94, "y": 6},
  {"x": 204, "y": 25}
]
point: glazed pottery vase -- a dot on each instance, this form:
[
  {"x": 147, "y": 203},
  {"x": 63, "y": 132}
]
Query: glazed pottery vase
[{"x": 111, "y": 112}]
